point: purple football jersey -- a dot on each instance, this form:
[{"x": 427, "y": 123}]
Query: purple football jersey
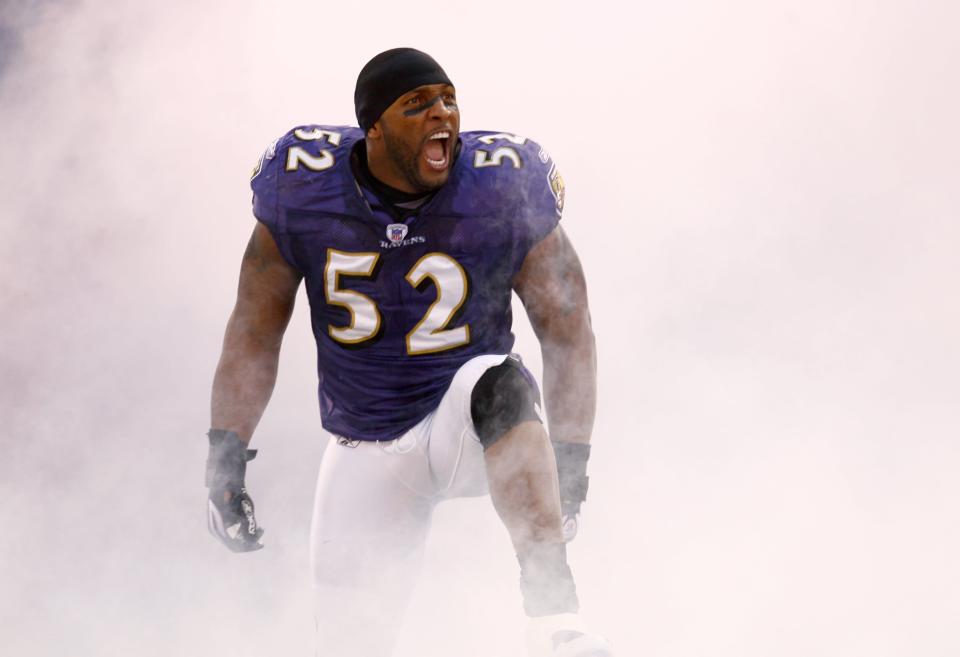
[{"x": 398, "y": 307}]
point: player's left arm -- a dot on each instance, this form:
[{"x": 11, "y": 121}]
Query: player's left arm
[{"x": 553, "y": 290}]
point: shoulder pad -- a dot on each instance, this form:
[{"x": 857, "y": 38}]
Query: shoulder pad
[
  {"x": 301, "y": 169},
  {"x": 512, "y": 167},
  {"x": 308, "y": 149}
]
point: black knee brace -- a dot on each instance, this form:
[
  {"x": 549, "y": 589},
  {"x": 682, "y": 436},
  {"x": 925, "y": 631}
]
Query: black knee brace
[{"x": 505, "y": 396}]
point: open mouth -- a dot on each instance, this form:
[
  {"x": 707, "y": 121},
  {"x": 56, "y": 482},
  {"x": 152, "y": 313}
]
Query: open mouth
[{"x": 436, "y": 150}]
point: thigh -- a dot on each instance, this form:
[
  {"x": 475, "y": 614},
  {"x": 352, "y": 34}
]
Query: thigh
[
  {"x": 367, "y": 539},
  {"x": 455, "y": 454},
  {"x": 369, "y": 501}
]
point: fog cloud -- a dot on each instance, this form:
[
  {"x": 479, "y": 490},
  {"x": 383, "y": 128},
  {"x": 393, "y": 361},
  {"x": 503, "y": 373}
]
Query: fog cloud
[{"x": 764, "y": 197}]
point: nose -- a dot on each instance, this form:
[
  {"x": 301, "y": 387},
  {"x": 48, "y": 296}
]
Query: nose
[{"x": 440, "y": 110}]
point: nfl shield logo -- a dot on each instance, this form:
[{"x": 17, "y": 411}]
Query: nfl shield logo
[{"x": 396, "y": 232}]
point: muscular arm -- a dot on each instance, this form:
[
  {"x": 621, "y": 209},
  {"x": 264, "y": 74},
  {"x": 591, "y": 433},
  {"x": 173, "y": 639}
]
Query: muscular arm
[
  {"x": 251, "y": 347},
  {"x": 553, "y": 291}
]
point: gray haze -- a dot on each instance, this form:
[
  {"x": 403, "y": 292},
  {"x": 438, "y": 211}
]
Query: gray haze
[{"x": 765, "y": 197}]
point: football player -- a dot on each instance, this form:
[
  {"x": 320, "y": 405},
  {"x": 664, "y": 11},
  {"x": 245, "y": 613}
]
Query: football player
[{"x": 410, "y": 237}]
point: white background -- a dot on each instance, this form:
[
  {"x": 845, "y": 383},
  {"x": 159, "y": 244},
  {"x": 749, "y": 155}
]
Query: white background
[{"x": 765, "y": 198}]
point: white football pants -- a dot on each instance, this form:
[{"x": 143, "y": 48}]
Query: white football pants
[{"x": 372, "y": 512}]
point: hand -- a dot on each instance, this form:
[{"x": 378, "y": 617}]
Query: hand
[
  {"x": 572, "y": 476},
  {"x": 230, "y": 518},
  {"x": 230, "y": 510},
  {"x": 570, "y": 515},
  {"x": 570, "y": 526}
]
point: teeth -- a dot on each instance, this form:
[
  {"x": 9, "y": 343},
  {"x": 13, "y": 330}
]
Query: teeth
[
  {"x": 436, "y": 163},
  {"x": 441, "y": 135}
]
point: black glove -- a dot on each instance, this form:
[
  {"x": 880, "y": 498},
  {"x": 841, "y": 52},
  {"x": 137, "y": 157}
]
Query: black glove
[
  {"x": 229, "y": 509},
  {"x": 572, "y": 473}
]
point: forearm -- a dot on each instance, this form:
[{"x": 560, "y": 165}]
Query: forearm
[
  {"x": 244, "y": 381},
  {"x": 570, "y": 384},
  {"x": 553, "y": 290}
]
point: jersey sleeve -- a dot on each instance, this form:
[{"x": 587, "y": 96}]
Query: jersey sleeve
[
  {"x": 297, "y": 180},
  {"x": 264, "y": 183},
  {"x": 540, "y": 195}
]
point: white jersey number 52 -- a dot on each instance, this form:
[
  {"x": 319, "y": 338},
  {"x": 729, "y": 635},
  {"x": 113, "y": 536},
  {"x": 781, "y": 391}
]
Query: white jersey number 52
[{"x": 430, "y": 334}]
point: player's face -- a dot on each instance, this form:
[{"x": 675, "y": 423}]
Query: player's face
[{"x": 420, "y": 135}]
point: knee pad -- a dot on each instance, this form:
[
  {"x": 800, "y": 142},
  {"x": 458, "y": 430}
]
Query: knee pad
[{"x": 505, "y": 396}]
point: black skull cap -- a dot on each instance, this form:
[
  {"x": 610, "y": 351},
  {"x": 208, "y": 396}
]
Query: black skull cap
[{"x": 388, "y": 76}]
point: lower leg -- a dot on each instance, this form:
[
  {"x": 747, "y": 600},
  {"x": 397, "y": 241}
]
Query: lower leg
[
  {"x": 363, "y": 617},
  {"x": 367, "y": 543},
  {"x": 522, "y": 473}
]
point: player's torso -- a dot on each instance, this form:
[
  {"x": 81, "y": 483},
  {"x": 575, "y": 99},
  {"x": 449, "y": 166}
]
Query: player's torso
[
  {"x": 430, "y": 284},
  {"x": 396, "y": 305}
]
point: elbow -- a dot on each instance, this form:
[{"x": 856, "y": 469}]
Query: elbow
[
  {"x": 574, "y": 332},
  {"x": 244, "y": 337}
]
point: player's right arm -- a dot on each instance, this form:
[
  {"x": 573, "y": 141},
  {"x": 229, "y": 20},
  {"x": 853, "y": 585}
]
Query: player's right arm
[
  {"x": 242, "y": 386},
  {"x": 247, "y": 370}
]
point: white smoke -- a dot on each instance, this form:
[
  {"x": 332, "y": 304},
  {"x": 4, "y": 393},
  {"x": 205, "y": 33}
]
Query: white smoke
[{"x": 764, "y": 198}]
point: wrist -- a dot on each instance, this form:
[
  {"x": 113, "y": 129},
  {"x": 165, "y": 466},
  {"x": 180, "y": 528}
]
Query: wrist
[
  {"x": 227, "y": 460},
  {"x": 572, "y": 473}
]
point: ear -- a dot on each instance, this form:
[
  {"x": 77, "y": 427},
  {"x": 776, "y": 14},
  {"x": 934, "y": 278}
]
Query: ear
[{"x": 375, "y": 132}]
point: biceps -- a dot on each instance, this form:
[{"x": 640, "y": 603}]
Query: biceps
[
  {"x": 267, "y": 288},
  {"x": 553, "y": 289}
]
